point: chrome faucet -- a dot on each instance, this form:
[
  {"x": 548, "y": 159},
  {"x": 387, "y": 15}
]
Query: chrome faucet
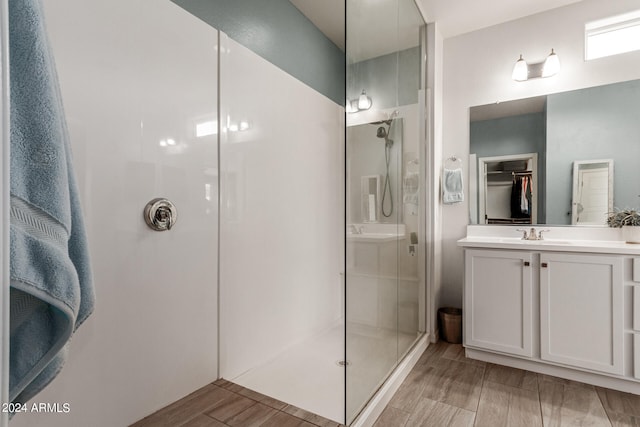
[
  {"x": 355, "y": 229},
  {"x": 540, "y": 237},
  {"x": 532, "y": 234}
]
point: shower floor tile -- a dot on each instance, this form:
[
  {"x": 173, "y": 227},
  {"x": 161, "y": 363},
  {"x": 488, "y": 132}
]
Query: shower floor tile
[{"x": 307, "y": 376}]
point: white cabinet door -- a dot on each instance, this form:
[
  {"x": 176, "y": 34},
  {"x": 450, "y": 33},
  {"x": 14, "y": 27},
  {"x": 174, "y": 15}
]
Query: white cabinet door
[
  {"x": 498, "y": 301},
  {"x": 636, "y": 356},
  {"x": 581, "y": 311}
]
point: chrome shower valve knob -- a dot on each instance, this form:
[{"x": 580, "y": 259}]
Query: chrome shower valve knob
[{"x": 160, "y": 214}]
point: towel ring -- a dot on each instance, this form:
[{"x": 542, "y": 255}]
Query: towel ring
[
  {"x": 160, "y": 214},
  {"x": 453, "y": 160}
]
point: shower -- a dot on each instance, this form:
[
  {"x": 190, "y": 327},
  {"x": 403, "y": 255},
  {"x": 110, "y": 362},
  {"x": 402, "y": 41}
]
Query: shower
[{"x": 388, "y": 144}]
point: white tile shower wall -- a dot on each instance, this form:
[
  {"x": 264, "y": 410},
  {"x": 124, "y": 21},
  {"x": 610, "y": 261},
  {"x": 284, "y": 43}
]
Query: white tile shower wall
[
  {"x": 282, "y": 211},
  {"x": 133, "y": 74}
]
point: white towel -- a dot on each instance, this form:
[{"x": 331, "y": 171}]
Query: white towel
[
  {"x": 410, "y": 187},
  {"x": 452, "y": 186}
]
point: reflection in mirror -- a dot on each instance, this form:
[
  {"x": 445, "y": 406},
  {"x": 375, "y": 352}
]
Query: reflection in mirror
[
  {"x": 370, "y": 194},
  {"x": 507, "y": 191},
  {"x": 563, "y": 129},
  {"x": 592, "y": 192},
  {"x": 375, "y": 162}
]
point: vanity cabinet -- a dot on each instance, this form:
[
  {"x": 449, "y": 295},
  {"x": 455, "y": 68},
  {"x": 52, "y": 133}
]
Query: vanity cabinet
[
  {"x": 499, "y": 301},
  {"x": 635, "y": 322},
  {"x": 566, "y": 308},
  {"x": 580, "y": 302},
  {"x": 581, "y": 315},
  {"x": 636, "y": 356}
]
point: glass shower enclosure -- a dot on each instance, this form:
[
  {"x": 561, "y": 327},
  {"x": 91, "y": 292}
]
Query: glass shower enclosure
[
  {"x": 297, "y": 266},
  {"x": 385, "y": 259}
]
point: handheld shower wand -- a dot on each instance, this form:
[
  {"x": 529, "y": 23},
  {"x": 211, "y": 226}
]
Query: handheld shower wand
[{"x": 388, "y": 143}]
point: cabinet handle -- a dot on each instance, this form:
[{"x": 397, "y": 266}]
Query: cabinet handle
[
  {"x": 527, "y": 263},
  {"x": 543, "y": 265}
]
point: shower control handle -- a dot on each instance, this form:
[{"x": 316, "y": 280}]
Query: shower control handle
[{"x": 160, "y": 214}]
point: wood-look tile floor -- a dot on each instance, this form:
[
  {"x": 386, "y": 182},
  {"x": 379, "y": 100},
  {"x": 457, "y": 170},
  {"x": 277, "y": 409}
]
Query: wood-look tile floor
[
  {"x": 223, "y": 403},
  {"x": 447, "y": 389},
  {"x": 444, "y": 389}
]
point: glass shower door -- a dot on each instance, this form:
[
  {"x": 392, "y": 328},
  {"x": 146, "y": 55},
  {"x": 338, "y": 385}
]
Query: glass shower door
[{"x": 384, "y": 290}]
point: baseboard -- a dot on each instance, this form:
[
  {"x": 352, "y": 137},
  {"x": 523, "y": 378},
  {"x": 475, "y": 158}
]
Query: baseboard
[{"x": 625, "y": 385}]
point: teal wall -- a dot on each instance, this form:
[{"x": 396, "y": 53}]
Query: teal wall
[
  {"x": 390, "y": 80},
  {"x": 278, "y": 32},
  {"x": 590, "y": 124},
  {"x": 508, "y": 135}
]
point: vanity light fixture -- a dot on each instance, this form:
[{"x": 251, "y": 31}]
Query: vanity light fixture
[
  {"x": 520, "y": 70},
  {"x": 363, "y": 102},
  {"x": 549, "y": 67},
  {"x": 351, "y": 106}
]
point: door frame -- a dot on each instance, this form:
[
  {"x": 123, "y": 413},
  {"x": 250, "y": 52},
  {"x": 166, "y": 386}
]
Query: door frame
[{"x": 575, "y": 188}]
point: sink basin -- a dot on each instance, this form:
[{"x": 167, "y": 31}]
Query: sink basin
[
  {"x": 518, "y": 241},
  {"x": 541, "y": 242},
  {"x": 375, "y": 233},
  {"x": 371, "y": 237},
  {"x": 549, "y": 242}
]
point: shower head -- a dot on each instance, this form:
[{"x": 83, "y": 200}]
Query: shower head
[{"x": 384, "y": 133}]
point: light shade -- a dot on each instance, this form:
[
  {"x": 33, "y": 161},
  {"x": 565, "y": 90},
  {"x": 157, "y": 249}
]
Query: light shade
[
  {"x": 520, "y": 70},
  {"x": 351, "y": 107},
  {"x": 551, "y": 65},
  {"x": 364, "y": 102}
]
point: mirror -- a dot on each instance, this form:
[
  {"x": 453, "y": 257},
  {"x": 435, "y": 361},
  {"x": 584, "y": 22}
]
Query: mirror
[{"x": 556, "y": 145}]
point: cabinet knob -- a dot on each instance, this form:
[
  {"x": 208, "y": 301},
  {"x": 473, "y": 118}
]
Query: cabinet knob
[
  {"x": 544, "y": 265},
  {"x": 527, "y": 263}
]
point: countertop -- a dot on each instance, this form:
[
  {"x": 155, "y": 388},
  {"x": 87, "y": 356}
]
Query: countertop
[{"x": 554, "y": 245}]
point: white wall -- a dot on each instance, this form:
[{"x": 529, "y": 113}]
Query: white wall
[
  {"x": 282, "y": 211},
  {"x": 477, "y": 70},
  {"x": 433, "y": 268},
  {"x": 133, "y": 73}
]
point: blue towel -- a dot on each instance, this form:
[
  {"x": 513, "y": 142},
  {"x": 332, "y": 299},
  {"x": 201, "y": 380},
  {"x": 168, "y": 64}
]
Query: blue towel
[
  {"x": 452, "y": 186},
  {"x": 51, "y": 285}
]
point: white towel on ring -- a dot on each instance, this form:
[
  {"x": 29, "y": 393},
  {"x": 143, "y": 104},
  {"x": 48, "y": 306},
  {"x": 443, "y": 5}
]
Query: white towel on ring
[{"x": 452, "y": 186}]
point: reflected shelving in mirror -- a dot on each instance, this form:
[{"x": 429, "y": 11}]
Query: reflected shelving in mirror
[{"x": 585, "y": 125}]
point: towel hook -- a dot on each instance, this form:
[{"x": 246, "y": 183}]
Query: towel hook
[{"x": 160, "y": 214}]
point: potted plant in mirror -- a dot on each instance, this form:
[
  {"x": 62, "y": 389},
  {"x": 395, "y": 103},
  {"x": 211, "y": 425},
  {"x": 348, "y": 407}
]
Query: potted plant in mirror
[{"x": 629, "y": 221}]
